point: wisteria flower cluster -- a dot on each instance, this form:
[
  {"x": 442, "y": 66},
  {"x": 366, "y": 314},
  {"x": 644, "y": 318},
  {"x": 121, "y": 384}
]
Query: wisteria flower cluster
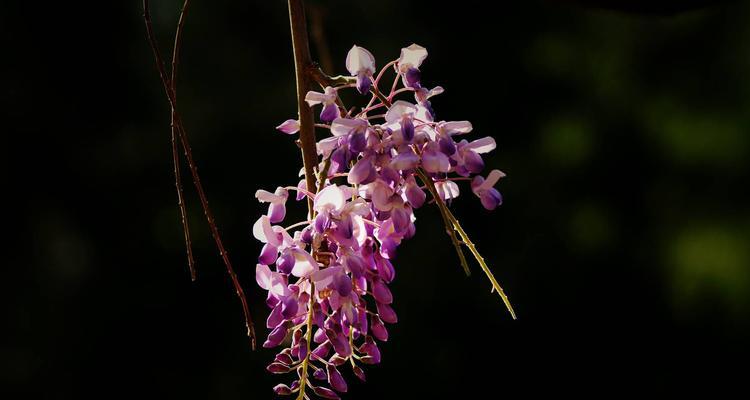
[{"x": 327, "y": 277}]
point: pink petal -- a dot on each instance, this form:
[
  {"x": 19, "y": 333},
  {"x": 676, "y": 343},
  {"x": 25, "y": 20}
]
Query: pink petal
[
  {"x": 456, "y": 127},
  {"x": 267, "y": 197},
  {"x": 263, "y": 276},
  {"x": 483, "y": 145},
  {"x": 290, "y": 126},
  {"x": 263, "y": 231},
  {"x": 331, "y": 197},
  {"x": 304, "y": 263},
  {"x": 491, "y": 180},
  {"x": 345, "y": 126}
]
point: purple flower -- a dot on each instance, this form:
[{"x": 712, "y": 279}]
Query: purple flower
[
  {"x": 328, "y": 99},
  {"x": 484, "y": 189},
  {"x": 468, "y": 156},
  {"x": 333, "y": 271},
  {"x": 361, "y": 64},
  {"x": 433, "y": 160},
  {"x": 400, "y": 119},
  {"x": 277, "y": 203},
  {"x": 409, "y": 62}
]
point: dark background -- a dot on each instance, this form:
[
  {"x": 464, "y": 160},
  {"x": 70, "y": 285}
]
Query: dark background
[{"x": 623, "y": 240}]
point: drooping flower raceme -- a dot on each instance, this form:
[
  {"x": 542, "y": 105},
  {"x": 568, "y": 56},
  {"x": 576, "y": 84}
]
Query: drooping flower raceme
[{"x": 327, "y": 277}]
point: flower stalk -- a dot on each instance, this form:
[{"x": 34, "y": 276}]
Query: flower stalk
[{"x": 308, "y": 340}]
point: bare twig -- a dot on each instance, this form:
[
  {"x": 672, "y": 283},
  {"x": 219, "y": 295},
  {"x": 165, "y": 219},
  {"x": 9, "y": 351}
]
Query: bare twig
[
  {"x": 181, "y": 133},
  {"x": 175, "y": 152}
]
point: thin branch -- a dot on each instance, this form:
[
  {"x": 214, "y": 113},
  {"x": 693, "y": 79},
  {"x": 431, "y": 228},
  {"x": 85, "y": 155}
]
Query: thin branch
[
  {"x": 308, "y": 339},
  {"x": 181, "y": 133},
  {"x": 175, "y": 152},
  {"x": 446, "y": 220},
  {"x": 302, "y": 64},
  {"x": 466, "y": 241},
  {"x": 495, "y": 285}
]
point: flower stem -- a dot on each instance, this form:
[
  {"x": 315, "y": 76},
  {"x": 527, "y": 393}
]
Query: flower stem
[
  {"x": 495, "y": 285},
  {"x": 456, "y": 226},
  {"x": 446, "y": 220},
  {"x": 308, "y": 338}
]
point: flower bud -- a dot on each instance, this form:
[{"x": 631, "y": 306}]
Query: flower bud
[
  {"x": 278, "y": 368},
  {"x": 285, "y": 262},
  {"x": 378, "y": 328},
  {"x": 335, "y": 379},
  {"x": 325, "y": 393},
  {"x": 268, "y": 254},
  {"x": 386, "y": 313},
  {"x": 363, "y": 83},
  {"x": 284, "y": 358},
  {"x": 381, "y": 292},
  {"x": 289, "y": 307},
  {"x": 322, "y": 350},
  {"x": 320, "y": 374},
  {"x": 275, "y": 317},
  {"x": 302, "y": 349},
  {"x": 412, "y": 77},
  {"x": 360, "y": 373},
  {"x": 282, "y": 389},
  {"x": 276, "y": 336}
]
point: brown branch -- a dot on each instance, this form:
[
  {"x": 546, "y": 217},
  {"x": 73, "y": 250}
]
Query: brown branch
[
  {"x": 175, "y": 153},
  {"x": 181, "y": 133},
  {"x": 302, "y": 64}
]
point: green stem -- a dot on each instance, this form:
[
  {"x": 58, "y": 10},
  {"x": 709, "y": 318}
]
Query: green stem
[
  {"x": 495, "y": 285},
  {"x": 308, "y": 338},
  {"x": 446, "y": 220},
  {"x": 465, "y": 238}
]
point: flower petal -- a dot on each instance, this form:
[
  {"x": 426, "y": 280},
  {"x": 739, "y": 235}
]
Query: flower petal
[
  {"x": 456, "y": 127},
  {"x": 264, "y": 196},
  {"x": 345, "y": 126},
  {"x": 304, "y": 263},
  {"x": 448, "y": 189},
  {"x": 331, "y": 197},
  {"x": 398, "y": 109},
  {"x": 263, "y": 231},
  {"x": 263, "y": 276},
  {"x": 483, "y": 145},
  {"x": 290, "y": 126},
  {"x": 412, "y": 56},
  {"x": 312, "y": 98},
  {"x": 359, "y": 59},
  {"x": 492, "y": 179}
]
